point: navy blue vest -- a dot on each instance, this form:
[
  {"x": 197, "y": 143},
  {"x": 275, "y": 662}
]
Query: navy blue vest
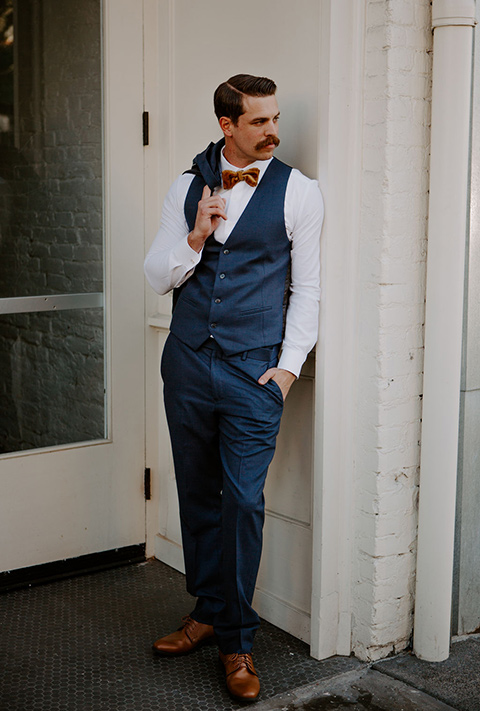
[{"x": 236, "y": 293}]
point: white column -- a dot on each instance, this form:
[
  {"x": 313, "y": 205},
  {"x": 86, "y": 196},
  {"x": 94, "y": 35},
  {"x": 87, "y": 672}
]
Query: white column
[
  {"x": 340, "y": 131},
  {"x": 452, "y": 22}
]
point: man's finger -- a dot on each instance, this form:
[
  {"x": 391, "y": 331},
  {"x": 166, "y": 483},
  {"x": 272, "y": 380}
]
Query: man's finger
[
  {"x": 206, "y": 192},
  {"x": 268, "y": 374}
]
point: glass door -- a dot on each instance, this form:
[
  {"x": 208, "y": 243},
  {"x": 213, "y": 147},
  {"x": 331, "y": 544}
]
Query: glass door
[{"x": 72, "y": 423}]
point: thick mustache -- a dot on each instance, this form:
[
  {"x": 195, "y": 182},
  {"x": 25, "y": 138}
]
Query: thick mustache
[{"x": 267, "y": 142}]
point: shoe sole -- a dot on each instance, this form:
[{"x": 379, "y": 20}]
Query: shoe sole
[{"x": 240, "y": 698}]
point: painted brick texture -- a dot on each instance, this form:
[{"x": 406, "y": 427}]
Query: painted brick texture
[{"x": 391, "y": 312}]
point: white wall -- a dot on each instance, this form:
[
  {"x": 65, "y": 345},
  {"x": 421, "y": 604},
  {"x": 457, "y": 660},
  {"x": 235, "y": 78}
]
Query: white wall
[
  {"x": 215, "y": 40},
  {"x": 466, "y": 614}
]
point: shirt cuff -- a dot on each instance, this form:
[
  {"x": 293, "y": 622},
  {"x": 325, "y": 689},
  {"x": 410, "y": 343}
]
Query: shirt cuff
[
  {"x": 291, "y": 360},
  {"x": 185, "y": 255}
]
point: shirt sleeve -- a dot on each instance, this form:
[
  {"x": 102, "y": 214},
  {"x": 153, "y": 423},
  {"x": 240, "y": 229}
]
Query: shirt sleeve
[
  {"x": 171, "y": 260},
  {"x": 301, "y": 330}
]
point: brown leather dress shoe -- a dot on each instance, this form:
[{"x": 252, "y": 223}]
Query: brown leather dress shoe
[
  {"x": 191, "y": 635},
  {"x": 242, "y": 679}
]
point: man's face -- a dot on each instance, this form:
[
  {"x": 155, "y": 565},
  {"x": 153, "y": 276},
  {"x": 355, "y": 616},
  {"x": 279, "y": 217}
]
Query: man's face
[{"x": 255, "y": 136}]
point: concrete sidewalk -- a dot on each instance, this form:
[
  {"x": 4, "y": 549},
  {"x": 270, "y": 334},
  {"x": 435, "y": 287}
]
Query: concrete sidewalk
[
  {"x": 366, "y": 690},
  {"x": 401, "y": 683}
]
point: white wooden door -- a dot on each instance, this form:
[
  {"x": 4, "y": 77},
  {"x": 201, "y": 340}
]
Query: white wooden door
[
  {"x": 184, "y": 125},
  {"x": 72, "y": 316}
]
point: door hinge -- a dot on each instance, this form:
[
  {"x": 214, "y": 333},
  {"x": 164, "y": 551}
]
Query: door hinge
[
  {"x": 148, "y": 484},
  {"x": 145, "y": 123}
]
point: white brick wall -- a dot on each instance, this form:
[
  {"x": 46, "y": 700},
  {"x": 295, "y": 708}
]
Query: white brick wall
[{"x": 391, "y": 310}]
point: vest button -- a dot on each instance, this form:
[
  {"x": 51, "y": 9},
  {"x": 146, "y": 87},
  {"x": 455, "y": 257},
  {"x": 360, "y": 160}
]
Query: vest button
[
  {"x": 213, "y": 325},
  {"x": 222, "y": 276},
  {"x": 226, "y": 251},
  {"x": 218, "y": 301}
]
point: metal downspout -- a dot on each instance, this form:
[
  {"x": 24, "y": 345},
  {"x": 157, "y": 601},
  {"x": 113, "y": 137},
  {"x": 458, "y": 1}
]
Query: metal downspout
[{"x": 452, "y": 22}]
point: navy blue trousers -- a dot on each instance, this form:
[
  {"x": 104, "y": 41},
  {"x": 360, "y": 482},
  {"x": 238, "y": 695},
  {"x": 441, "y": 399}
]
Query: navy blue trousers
[{"x": 223, "y": 428}]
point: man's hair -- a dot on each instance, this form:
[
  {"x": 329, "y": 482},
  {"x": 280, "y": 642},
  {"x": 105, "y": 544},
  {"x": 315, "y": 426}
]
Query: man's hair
[{"x": 228, "y": 97}]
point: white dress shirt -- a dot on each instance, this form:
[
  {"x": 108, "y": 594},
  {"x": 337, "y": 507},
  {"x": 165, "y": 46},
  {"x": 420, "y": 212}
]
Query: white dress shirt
[{"x": 171, "y": 260}]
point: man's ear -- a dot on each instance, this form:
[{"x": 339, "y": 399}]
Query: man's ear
[{"x": 226, "y": 125}]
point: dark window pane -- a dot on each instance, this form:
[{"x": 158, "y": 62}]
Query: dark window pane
[
  {"x": 51, "y": 207},
  {"x": 51, "y": 379}
]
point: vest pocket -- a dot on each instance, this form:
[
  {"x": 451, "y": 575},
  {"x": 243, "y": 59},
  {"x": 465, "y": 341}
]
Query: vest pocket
[
  {"x": 252, "y": 312},
  {"x": 185, "y": 299}
]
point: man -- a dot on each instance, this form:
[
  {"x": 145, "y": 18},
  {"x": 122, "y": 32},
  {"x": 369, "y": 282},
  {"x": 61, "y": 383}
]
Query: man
[{"x": 239, "y": 243}]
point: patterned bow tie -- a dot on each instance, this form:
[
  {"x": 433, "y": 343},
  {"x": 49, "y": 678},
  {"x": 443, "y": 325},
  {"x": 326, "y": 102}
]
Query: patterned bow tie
[{"x": 232, "y": 177}]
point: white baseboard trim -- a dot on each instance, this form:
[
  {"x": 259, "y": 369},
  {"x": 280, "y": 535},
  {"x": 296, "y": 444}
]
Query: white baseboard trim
[
  {"x": 169, "y": 552},
  {"x": 281, "y": 614}
]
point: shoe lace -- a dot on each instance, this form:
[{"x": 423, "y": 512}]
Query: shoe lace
[
  {"x": 188, "y": 627},
  {"x": 244, "y": 659}
]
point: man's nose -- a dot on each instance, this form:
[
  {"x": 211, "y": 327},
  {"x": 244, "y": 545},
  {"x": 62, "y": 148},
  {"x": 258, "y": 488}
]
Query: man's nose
[{"x": 271, "y": 128}]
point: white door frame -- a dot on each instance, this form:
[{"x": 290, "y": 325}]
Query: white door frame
[{"x": 340, "y": 132}]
